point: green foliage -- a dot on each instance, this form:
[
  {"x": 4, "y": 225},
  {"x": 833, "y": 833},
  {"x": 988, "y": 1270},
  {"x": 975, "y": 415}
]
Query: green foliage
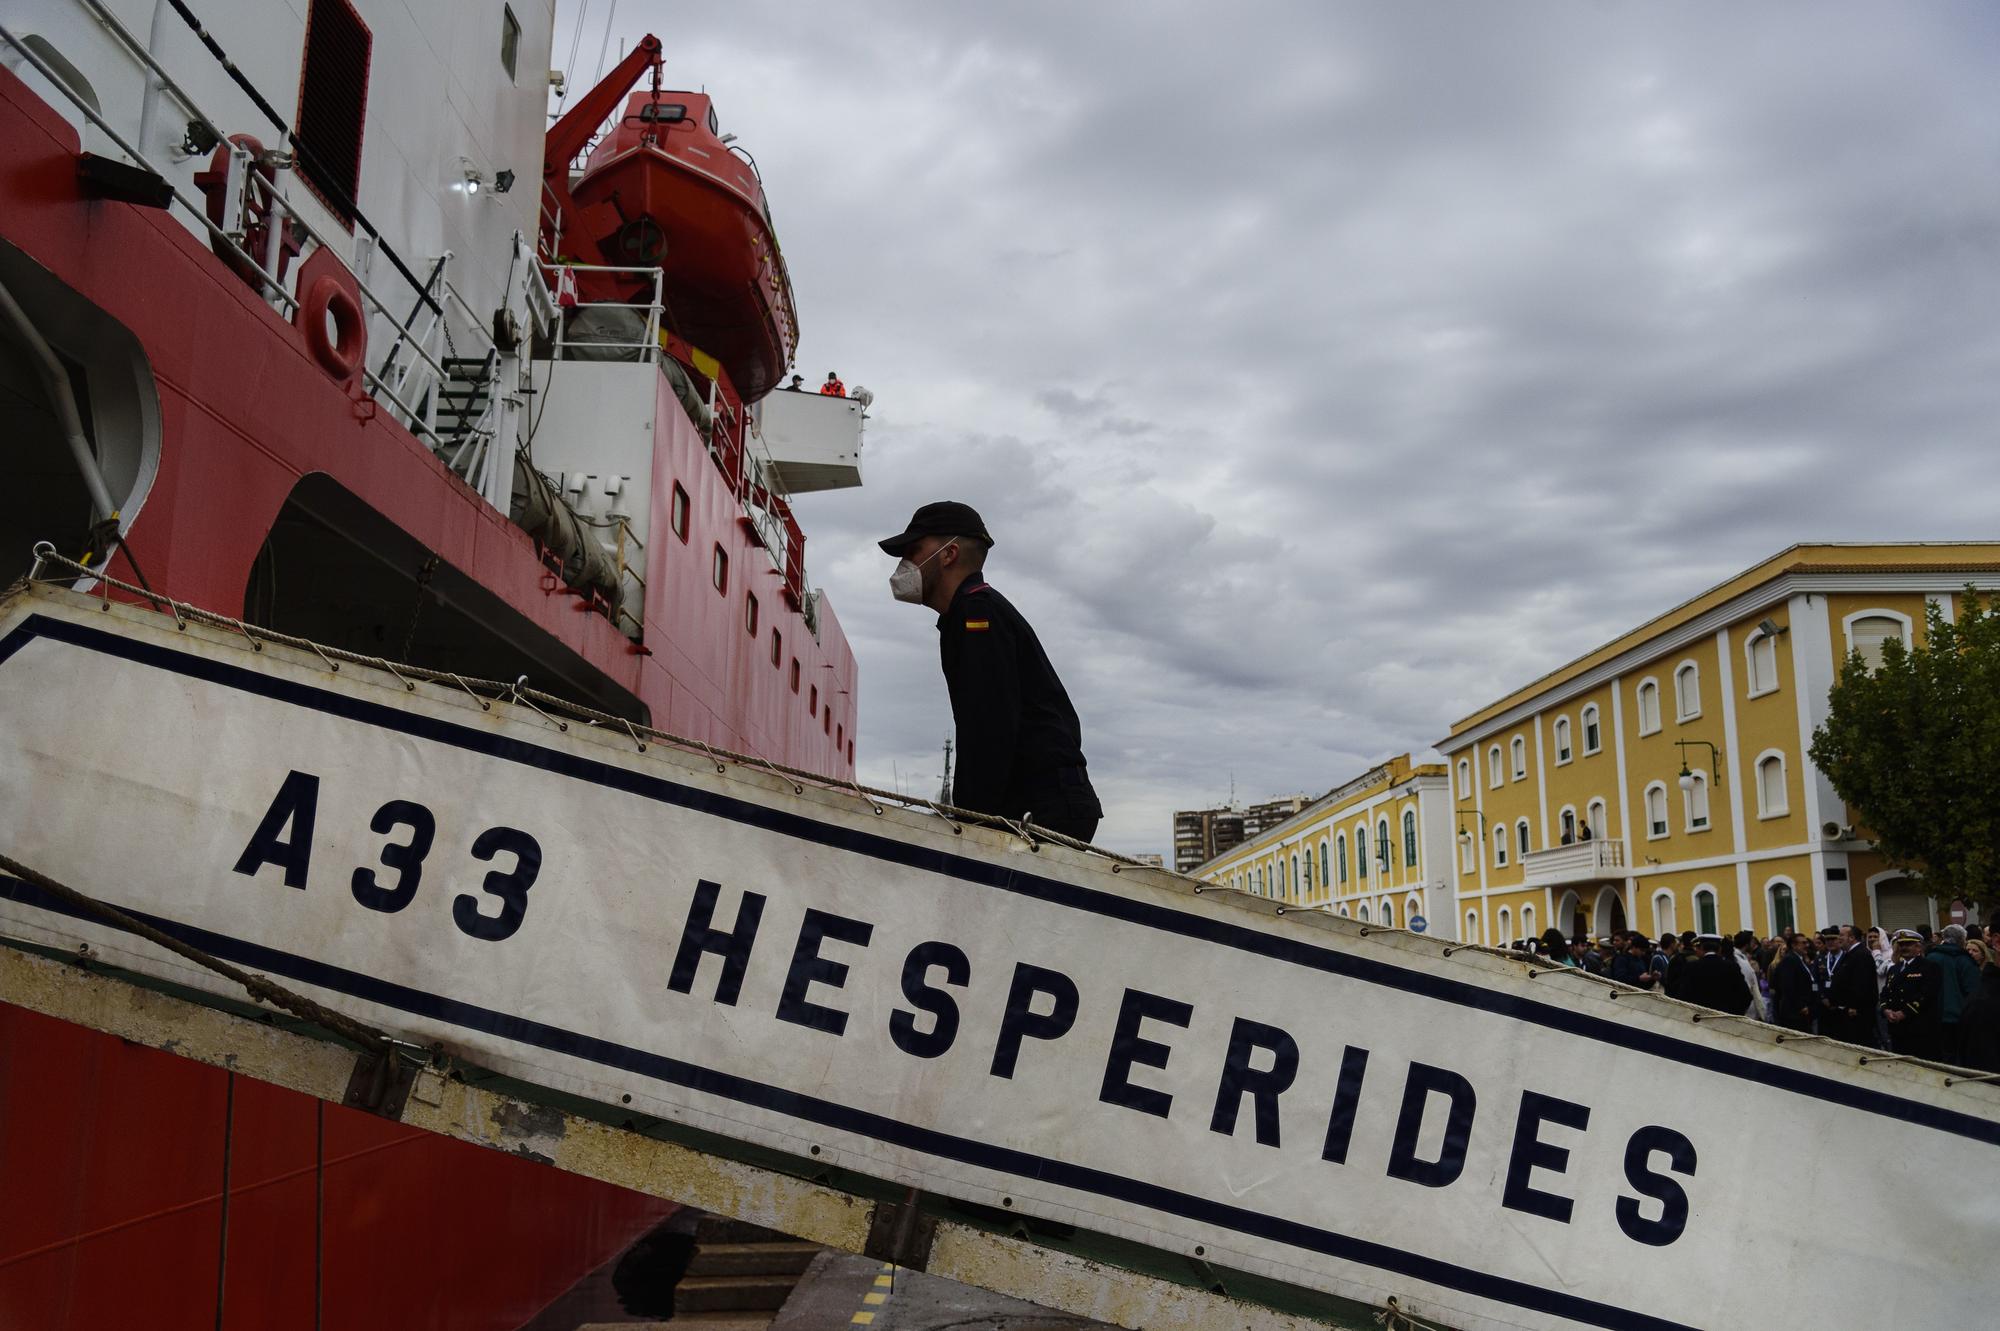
[{"x": 1914, "y": 748}]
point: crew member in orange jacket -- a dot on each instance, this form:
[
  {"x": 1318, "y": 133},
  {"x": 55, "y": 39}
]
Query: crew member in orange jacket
[{"x": 833, "y": 387}]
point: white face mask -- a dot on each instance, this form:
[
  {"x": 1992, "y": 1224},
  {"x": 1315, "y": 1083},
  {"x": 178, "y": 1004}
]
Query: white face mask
[{"x": 907, "y": 582}]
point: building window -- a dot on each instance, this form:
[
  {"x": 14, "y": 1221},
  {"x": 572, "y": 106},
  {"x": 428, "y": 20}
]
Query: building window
[
  {"x": 1867, "y": 632},
  {"x": 1656, "y": 811},
  {"x": 1761, "y": 657},
  {"x": 1308, "y": 880},
  {"x": 795, "y": 674},
  {"x": 1562, "y": 740},
  {"x": 826, "y": 722},
  {"x": 812, "y": 701},
  {"x": 750, "y": 612},
  {"x": 1362, "y": 910},
  {"x": 1527, "y": 921},
  {"x": 333, "y": 104},
  {"x": 1340, "y": 845},
  {"x": 1505, "y": 937},
  {"x": 510, "y": 39},
  {"x": 1687, "y": 691},
  {"x": 1696, "y": 800},
  {"x": 1704, "y": 910},
  {"x": 1568, "y": 826},
  {"x": 1383, "y": 858},
  {"x": 1520, "y": 748},
  {"x": 1499, "y": 847},
  {"x": 1784, "y": 914},
  {"x": 718, "y": 569},
  {"x": 1771, "y": 799},
  {"x": 1595, "y": 819},
  {"x": 777, "y": 647},
  {"x": 1325, "y": 866},
  {"x": 1649, "y": 707},
  {"x": 1592, "y": 739},
  {"x": 840, "y": 737},
  {"x": 1389, "y": 913},
  {"x": 1467, "y": 861},
  {"x": 1493, "y": 767},
  {"x": 1472, "y": 927},
  {"x": 679, "y": 514},
  {"x": 1409, "y": 838},
  {"x": 1260, "y": 880},
  {"x": 1361, "y": 851},
  {"x": 1465, "y": 778},
  {"x": 1663, "y": 913},
  {"x": 850, "y": 753},
  {"x": 1521, "y": 836}
]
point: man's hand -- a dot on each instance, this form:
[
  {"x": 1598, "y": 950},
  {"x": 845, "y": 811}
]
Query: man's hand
[{"x": 1893, "y": 1014}]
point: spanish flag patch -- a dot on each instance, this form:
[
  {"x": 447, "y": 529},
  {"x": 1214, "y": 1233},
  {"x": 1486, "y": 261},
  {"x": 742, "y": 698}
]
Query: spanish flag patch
[{"x": 976, "y": 625}]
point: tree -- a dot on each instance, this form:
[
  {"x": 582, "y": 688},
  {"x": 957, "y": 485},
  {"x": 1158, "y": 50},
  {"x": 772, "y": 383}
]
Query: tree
[{"x": 1913, "y": 746}]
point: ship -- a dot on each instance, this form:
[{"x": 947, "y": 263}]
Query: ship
[{"x": 314, "y": 319}]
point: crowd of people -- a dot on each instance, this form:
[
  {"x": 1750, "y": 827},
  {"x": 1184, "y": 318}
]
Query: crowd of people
[{"x": 1928, "y": 994}]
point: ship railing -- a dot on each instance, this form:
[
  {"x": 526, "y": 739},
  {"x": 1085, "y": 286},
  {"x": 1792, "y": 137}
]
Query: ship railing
[
  {"x": 648, "y": 343},
  {"x": 248, "y": 190}
]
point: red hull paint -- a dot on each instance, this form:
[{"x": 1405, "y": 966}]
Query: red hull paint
[
  {"x": 111, "y": 1156},
  {"x": 729, "y": 292}
]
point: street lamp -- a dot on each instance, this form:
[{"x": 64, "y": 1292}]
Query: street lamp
[
  {"x": 1714, "y": 763},
  {"x": 1465, "y": 837}
]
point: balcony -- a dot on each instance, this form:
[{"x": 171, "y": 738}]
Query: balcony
[
  {"x": 815, "y": 440},
  {"x": 1584, "y": 862}
]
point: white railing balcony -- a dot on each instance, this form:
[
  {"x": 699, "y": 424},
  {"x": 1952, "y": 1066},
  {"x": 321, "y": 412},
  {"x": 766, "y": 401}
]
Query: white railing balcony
[{"x": 1583, "y": 862}]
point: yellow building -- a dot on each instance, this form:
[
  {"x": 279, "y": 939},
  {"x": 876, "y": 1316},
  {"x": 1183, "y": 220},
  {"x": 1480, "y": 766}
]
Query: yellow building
[
  {"x": 1377, "y": 849},
  {"x": 1661, "y": 781}
]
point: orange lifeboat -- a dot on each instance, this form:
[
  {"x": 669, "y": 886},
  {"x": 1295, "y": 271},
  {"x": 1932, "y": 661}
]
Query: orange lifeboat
[{"x": 665, "y": 188}]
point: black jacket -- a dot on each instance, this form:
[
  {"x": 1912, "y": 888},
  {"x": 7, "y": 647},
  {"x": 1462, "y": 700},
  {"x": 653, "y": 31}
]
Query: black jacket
[
  {"x": 1852, "y": 985},
  {"x": 1979, "y": 1026},
  {"x": 1020, "y": 748},
  {"x": 1715, "y": 981},
  {"x": 1792, "y": 992}
]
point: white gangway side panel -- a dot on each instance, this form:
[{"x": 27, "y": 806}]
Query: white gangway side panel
[{"x": 952, "y": 1011}]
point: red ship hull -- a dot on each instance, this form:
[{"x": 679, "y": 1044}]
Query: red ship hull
[{"x": 113, "y": 1158}]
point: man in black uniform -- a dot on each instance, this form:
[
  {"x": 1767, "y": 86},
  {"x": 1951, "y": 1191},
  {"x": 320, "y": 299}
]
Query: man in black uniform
[
  {"x": 1849, "y": 1005},
  {"x": 1795, "y": 986},
  {"x": 1903, "y": 999},
  {"x": 1714, "y": 980},
  {"x": 1020, "y": 748}
]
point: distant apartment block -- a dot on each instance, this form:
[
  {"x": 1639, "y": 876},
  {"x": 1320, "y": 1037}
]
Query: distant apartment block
[
  {"x": 1202, "y": 834},
  {"x": 1261, "y": 818}
]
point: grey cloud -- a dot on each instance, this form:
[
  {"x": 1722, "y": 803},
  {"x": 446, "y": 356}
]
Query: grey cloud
[{"x": 1326, "y": 371}]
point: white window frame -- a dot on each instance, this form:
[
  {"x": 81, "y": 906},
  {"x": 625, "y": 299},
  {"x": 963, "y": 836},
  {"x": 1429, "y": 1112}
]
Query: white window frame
[
  {"x": 1566, "y": 821},
  {"x": 1663, "y": 919},
  {"x": 1292, "y": 881},
  {"x": 1758, "y": 638},
  {"x": 1494, "y": 768},
  {"x": 1521, "y": 838},
  {"x": 1517, "y": 750},
  {"x": 1361, "y": 912},
  {"x": 1468, "y": 856},
  {"x": 1465, "y": 778},
  {"x": 1528, "y": 923},
  {"x": 1598, "y": 815},
  {"x": 1385, "y": 913},
  {"x": 1783, "y": 808},
  {"x": 1771, "y": 886},
  {"x": 1685, "y": 670},
  {"x": 1500, "y": 846},
  {"x": 1665, "y": 827},
  {"x": 1688, "y": 802},
  {"x": 1565, "y": 754},
  {"x": 1360, "y": 851},
  {"x": 1714, "y": 908},
  {"x": 1503, "y": 930},
  {"x": 1878, "y": 612},
  {"x": 1592, "y": 719},
  {"x": 1340, "y": 846},
  {"x": 1472, "y": 927},
  {"x": 1413, "y": 906},
  {"x": 1325, "y": 866},
  {"x": 1411, "y": 842},
  {"x": 1639, "y": 705}
]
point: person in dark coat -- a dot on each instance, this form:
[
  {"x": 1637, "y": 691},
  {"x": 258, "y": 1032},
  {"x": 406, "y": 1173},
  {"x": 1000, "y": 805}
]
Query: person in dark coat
[
  {"x": 1849, "y": 1009},
  {"x": 1792, "y": 986},
  {"x": 1020, "y": 746},
  {"x": 1634, "y": 966},
  {"x": 1953, "y": 979},
  {"x": 1979, "y": 1024},
  {"x": 1714, "y": 980},
  {"x": 1679, "y": 958},
  {"x": 1911, "y": 1031}
]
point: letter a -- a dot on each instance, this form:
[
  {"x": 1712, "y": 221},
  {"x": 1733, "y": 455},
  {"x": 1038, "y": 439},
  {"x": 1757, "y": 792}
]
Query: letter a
[{"x": 296, "y": 807}]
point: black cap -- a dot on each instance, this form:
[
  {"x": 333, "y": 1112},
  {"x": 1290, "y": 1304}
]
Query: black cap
[{"x": 947, "y": 517}]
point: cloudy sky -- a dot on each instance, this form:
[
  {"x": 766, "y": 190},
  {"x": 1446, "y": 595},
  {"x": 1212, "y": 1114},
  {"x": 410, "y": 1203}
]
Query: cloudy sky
[{"x": 1324, "y": 371}]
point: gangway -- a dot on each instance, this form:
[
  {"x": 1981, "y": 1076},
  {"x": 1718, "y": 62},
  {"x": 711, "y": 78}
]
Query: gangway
[{"x": 965, "y": 1047}]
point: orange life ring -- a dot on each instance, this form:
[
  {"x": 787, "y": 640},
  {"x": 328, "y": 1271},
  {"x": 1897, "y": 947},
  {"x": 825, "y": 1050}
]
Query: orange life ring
[{"x": 340, "y": 355}]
